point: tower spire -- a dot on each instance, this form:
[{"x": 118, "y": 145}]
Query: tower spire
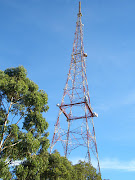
[
  {"x": 79, "y": 14},
  {"x": 79, "y": 6},
  {"x": 74, "y": 127}
]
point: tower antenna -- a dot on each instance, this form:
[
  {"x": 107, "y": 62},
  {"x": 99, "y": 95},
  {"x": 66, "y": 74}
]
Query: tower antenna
[
  {"x": 79, "y": 14},
  {"x": 80, "y": 7},
  {"x": 74, "y": 128}
]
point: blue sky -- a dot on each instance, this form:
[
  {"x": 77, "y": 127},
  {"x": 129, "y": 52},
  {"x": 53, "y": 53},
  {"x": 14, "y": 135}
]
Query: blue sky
[{"x": 38, "y": 34}]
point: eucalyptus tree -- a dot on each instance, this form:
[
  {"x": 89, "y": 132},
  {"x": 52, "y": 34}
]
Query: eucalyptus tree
[
  {"x": 86, "y": 171},
  {"x": 23, "y": 136},
  {"x": 59, "y": 168}
]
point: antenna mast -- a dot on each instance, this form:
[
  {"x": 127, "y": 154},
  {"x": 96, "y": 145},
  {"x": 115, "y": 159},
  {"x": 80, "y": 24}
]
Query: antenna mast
[
  {"x": 74, "y": 127},
  {"x": 80, "y": 7}
]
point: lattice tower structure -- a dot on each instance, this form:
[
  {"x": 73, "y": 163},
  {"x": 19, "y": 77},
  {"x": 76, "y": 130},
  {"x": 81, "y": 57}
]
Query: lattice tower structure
[{"x": 75, "y": 108}]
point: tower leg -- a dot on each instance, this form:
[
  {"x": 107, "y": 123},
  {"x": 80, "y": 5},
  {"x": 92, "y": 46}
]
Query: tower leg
[{"x": 67, "y": 139}]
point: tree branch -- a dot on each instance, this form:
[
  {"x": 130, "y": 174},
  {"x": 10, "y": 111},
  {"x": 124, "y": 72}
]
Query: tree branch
[
  {"x": 2, "y": 136},
  {"x": 20, "y": 119},
  {"x": 11, "y": 132},
  {"x": 10, "y": 145},
  {"x": 11, "y": 177}
]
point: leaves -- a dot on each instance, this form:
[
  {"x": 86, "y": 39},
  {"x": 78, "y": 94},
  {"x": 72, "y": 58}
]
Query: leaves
[
  {"x": 85, "y": 170},
  {"x": 22, "y": 124},
  {"x": 36, "y": 121},
  {"x": 4, "y": 171},
  {"x": 58, "y": 168}
]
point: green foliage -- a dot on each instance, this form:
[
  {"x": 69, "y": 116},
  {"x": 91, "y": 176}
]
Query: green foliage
[
  {"x": 86, "y": 171},
  {"x": 33, "y": 167},
  {"x": 59, "y": 168},
  {"x": 4, "y": 171},
  {"x": 22, "y": 125}
]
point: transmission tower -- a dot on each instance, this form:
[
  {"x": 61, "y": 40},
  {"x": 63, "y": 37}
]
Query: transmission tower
[{"x": 74, "y": 126}]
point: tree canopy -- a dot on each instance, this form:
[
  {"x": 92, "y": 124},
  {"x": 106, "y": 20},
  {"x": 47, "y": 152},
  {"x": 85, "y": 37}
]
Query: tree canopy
[
  {"x": 86, "y": 171},
  {"x": 60, "y": 168},
  {"x": 22, "y": 125}
]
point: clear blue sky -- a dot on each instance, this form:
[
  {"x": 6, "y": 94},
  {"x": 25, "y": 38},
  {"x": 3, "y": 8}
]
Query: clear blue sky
[{"x": 38, "y": 34}]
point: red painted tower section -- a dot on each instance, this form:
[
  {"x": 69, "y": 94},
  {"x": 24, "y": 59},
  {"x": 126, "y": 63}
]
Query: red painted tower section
[{"x": 74, "y": 126}]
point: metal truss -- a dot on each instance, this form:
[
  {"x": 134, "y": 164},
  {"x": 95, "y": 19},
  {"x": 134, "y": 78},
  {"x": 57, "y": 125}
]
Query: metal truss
[{"x": 75, "y": 108}]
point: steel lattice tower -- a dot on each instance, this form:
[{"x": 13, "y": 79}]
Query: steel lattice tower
[{"x": 75, "y": 108}]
